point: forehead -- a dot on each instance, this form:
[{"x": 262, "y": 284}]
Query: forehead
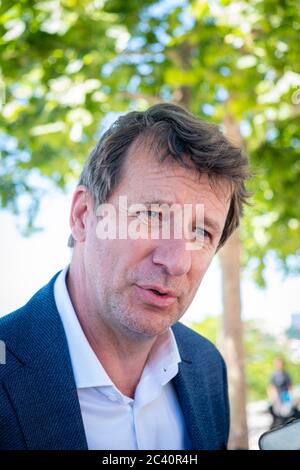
[{"x": 147, "y": 178}]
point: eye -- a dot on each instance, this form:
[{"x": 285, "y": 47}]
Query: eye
[
  {"x": 200, "y": 232},
  {"x": 154, "y": 215}
]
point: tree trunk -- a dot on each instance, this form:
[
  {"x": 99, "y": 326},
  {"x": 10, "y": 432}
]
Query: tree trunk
[
  {"x": 230, "y": 257},
  {"x": 233, "y": 341}
]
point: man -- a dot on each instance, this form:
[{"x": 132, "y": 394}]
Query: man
[
  {"x": 283, "y": 401},
  {"x": 97, "y": 358}
]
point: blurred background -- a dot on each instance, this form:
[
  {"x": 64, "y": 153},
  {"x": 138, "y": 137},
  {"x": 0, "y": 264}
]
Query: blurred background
[{"x": 69, "y": 68}]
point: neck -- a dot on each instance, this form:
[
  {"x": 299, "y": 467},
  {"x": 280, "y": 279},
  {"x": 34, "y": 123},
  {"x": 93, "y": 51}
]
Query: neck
[{"x": 123, "y": 356}]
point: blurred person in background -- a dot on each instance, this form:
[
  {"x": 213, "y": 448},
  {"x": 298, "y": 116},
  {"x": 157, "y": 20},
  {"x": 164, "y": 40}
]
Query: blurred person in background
[{"x": 283, "y": 401}]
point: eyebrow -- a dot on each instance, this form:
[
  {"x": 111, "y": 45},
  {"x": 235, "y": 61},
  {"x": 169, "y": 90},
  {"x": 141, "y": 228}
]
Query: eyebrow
[
  {"x": 208, "y": 222},
  {"x": 159, "y": 201}
]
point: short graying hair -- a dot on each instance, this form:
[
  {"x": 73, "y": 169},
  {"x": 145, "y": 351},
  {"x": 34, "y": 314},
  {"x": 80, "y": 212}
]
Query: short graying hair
[{"x": 170, "y": 131}]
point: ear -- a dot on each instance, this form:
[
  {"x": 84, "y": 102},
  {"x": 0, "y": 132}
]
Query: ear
[{"x": 80, "y": 207}]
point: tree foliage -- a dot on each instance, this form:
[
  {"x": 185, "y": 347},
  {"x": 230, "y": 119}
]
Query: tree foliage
[{"x": 68, "y": 64}]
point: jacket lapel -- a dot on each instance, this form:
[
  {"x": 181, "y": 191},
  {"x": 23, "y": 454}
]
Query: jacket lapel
[
  {"x": 193, "y": 390},
  {"x": 195, "y": 405}
]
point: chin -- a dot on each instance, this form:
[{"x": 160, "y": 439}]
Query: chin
[
  {"x": 140, "y": 319},
  {"x": 148, "y": 328}
]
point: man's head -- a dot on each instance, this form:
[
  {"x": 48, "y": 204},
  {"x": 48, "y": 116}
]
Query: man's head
[
  {"x": 164, "y": 154},
  {"x": 279, "y": 363}
]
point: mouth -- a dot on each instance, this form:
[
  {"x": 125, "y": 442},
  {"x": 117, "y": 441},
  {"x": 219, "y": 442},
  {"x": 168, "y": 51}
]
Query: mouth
[
  {"x": 157, "y": 292},
  {"x": 155, "y": 297}
]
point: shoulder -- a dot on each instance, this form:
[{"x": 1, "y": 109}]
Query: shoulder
[
  {"x": 39, "y": 300},
  {"x": 9, "y": 321},
  {"x": 28, "y": 330},
  {"x": 14, "y": 330}
]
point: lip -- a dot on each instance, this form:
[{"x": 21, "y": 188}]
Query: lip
[
  {"x": 163, "y": 290},
  {"x": 151, "y": 298}
]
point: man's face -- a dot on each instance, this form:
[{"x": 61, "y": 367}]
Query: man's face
[
  {"x": 120, "y": 273},
  {"x": 279, "y": 364}
]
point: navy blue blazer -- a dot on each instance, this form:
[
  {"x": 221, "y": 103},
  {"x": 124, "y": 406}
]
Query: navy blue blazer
[{"x": 39, "y": 407}]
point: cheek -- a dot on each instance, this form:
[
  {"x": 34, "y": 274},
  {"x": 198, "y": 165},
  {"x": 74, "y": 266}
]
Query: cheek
[
  {"x": 201, "y": 263},
  {"x": 136, "y": 254},
  {"x": 117, "y": 259}
]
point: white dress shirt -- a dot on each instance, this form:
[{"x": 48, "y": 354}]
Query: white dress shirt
[{"x": 152, "y": 420}]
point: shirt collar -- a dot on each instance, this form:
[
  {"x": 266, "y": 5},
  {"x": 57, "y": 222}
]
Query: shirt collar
[{"x": 88, "y": 371}]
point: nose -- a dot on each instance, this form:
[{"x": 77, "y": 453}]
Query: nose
[{"x": 174, "y": 256}]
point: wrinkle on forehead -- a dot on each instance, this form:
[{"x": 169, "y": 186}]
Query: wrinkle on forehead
[{"x": 141, "y": 154}]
